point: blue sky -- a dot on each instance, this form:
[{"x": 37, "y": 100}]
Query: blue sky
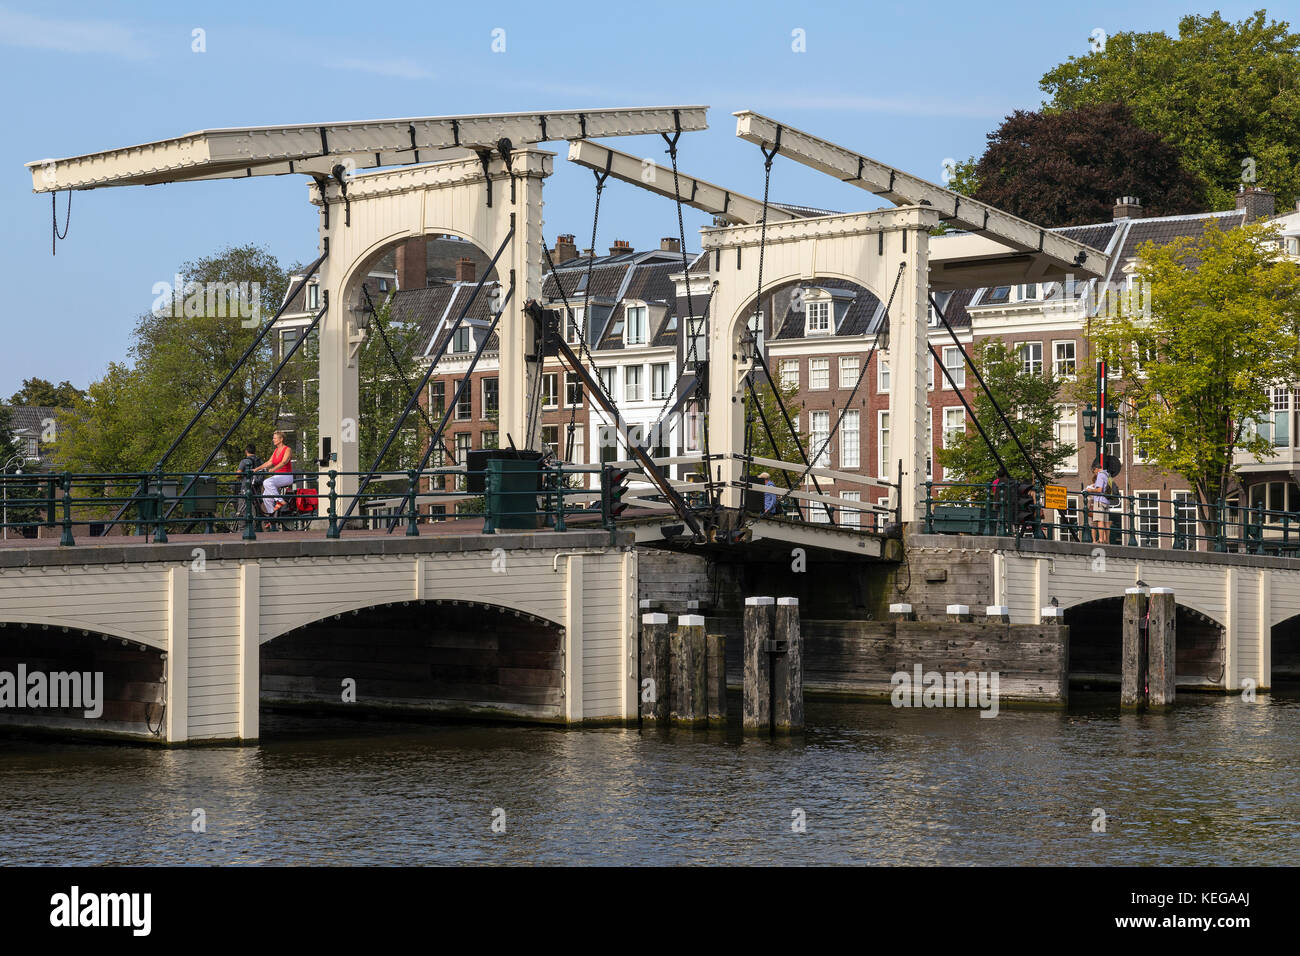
[{"x": 908, "y": 83}]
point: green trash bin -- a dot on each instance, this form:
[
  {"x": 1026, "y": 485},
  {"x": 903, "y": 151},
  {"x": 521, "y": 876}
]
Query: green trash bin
[
  {"x": 202, "y": 498},
  {"x": 512, "y": 501}
]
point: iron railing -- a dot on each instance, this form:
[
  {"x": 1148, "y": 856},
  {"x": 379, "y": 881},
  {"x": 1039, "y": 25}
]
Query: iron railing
[{"x": 1143, "y": 520}]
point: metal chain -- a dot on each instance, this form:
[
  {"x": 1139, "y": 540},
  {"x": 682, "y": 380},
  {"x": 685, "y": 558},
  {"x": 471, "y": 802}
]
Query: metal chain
[{"x": 54, "y": 218}]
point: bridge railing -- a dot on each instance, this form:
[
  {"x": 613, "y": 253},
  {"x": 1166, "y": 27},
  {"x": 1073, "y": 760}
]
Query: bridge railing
[
  {"x": 159, "y": 503},
  {"x": 1140, "y": 519}
]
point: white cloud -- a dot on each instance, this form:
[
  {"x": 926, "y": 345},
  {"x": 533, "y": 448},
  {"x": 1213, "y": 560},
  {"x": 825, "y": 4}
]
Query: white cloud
[
  {"x": 402, "y": 69},
  {"x": 70, "y": 36}
]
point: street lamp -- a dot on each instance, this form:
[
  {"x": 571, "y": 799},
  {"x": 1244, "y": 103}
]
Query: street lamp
[
  {"x": 1090, "y": 422},
  {"x": 4, "y": 511}
]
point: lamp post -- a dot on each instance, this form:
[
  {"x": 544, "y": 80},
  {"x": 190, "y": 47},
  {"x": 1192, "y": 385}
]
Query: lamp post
[{"x": 5, "y": 510}]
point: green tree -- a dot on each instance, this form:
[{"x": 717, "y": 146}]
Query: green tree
[
  {"x": 1225, "y": 95},
  {"x": 1065, "y": 168},
  {"x": 178, "y": 355},
  {"x": 42, "y": 392},
  {"x": 768, "y": 409},
  {"x": 1029, "y": 400},
  {"x": 1198, "y": 350}
]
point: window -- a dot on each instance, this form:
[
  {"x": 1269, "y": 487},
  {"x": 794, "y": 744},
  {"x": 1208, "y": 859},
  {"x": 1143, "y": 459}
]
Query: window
[
  {"x": 1067, "y": 433},
  {"x": 1063, "y": 360},
  {"x": 755, "y": 326},
  {"x": 850, "y": 517},
  {"x": 1184, "y": 521},
  {"x": 1137, "y": 433},
  {"x": 460, "y": 342},
  {"x": 288, "y": 338},
  {"x": 609, "y": 442},
  {"x": 929, "y": 373},
  {"x": 462, "y": 453},
  {"x": 490, "y": 440},
  {"x": 691, "y": 428},
  {"x": 635, "y": 437},
  {"x": 383, "y": 285},
  {"x": 465, "y": 407},
  {"x": 882, "y": 445},
  {"x": 1031, "y": 357},
  {"x": 789, "y": 373},
  {"x": 1276, "y": 427},
  {"x": 697, "y": 342},
  {"x": 573, "y": 326},
  {"x": 490, "y": 397},
  {"x": 850, "y": 442},
  {"x": 821, "y": 432},
  {"x": 572, "y": 390},
  {"x": 954, "y": 424},
  {"x": 659, "y": 447},
  {"x": 313, "y": 296},
  {"x": 574, "y": 445},
  {"x": 953, "y": 362},
  {"x": 551, "y": 439},
  {"x": 882, "y": 374},
  {"x": 929, "y": 443},
  {"x": 819, "y": 317},
  {"x": 606, "y": 376},
  {"x": 437, "y": 399},
  {"x": 1146, "y": 512},
  {"x": 632, "y": 383},
  {"x": 849, "y": 365},
  {"x": 1067, "y": 521},
  {"x": 819, "y": 373},
  {"x": 1026, "y": 293},
  {"x": 551, "y": 390},
  {"x": 634, "y": 332},
  {"x": 659, "y": 380}
]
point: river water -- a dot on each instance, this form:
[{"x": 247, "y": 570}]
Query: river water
[{"x": 1214, "y": 781}]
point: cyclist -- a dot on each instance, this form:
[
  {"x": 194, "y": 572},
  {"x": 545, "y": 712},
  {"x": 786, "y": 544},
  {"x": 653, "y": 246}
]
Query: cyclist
[{"x": 280, "y": 468}]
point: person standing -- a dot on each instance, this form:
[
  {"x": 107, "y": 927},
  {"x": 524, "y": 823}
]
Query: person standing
[
  {"x": 1098, "y": 502},
  {"x": 769, "y": 497},
  {"x": 280, "y": 468}
]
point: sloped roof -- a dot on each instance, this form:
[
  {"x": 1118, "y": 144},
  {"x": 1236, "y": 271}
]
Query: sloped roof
[
  {"x": 1167, "y": 228},
  {"x": 859, "y": 318}
]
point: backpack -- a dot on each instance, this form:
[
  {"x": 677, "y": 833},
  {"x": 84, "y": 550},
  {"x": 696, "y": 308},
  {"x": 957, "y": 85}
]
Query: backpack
[{"x": 1112, "y": 488}]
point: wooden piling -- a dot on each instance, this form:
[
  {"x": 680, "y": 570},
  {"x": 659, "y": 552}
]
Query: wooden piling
[
  {"x": 787, "y": 668},
  {"x": 716, "y": 667},
  {"x": 760, "y": 615},
  {"x": 1133, "y": 676},
  {"x": 1162, "y": 643},
  {"x": 688, "y": 673},
  {"x": 655, "y": 695}
]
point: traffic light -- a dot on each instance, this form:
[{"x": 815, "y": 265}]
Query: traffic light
[
  {"x": 613, "y": 487},
  {"x": 1026, "y": 510}
]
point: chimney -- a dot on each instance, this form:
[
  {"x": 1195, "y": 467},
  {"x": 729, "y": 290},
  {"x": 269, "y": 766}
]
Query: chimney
[
  {"x": 620, "y": 247},
  {"x": 412, "y": 264},
  {"x": 564, "y": 249},
  {"x": 668, "y": 244},
  {"x": 1257, "y": 202},
  {"x": 1127, "y": 207},
  {"x": 465, "y": 269}
]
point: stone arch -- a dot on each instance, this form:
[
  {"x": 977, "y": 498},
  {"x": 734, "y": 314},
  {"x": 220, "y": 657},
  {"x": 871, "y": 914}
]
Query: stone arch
[
  {"x": 88, "y": 629},
  {"x": 409, "y": 657},
  {"x": 1284, "y": 654},
  {"x": 1096, "y": 639}
]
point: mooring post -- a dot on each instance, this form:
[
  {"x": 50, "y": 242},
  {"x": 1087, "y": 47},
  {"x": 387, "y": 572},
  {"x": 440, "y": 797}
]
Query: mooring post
[
  {"x": 1133, "y": 674},
  {"x": 654, "y": 667},
  {"x": 716, "y": 665},
  {"x": 687, "y": 670},
  {"x": 757, "y": 690},
  {"x": 787, "y": 668},
  {"x": 1162, "y": 644}
]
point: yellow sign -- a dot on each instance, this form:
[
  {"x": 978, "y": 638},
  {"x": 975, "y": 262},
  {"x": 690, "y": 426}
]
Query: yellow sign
[{"x": 1054, "y": 497}]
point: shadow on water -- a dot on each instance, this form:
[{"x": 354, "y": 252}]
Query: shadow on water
[{"x": 1212, "y": 781}]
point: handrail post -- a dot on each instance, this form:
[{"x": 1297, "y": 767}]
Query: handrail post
[
  {"x": 65, "y": 540},
  {"x": 49, "y": 498},
  {"x": 412, "y": 487},
  {"x": 929, "y": 507},
  {"x": 1130, "y": 503},
  {"x": 333, "y": 530},
  {"x": 160, "y": 518},
  {"x": 1220, "y": 537},
  {"x": 489, "y": 489},
  {"x": 250, "y": 516}
]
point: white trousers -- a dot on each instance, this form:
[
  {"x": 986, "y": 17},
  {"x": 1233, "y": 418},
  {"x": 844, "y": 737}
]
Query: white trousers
[{"x": 271, "y": 490}]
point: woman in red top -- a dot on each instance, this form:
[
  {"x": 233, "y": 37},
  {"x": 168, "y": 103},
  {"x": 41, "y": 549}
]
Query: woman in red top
[{"x": 280, "y": 466}]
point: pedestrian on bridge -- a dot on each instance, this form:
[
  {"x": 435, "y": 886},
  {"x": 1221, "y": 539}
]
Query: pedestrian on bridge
[
  {"x": 1098, "y": 503},
  {"x": 280, "y": 466},
  {"x": 769, "y": 497}
]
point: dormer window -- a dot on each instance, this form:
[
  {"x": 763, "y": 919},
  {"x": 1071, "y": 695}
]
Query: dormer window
[
  {"x": 460, "y": 342},
  {"x": 635, "y": 329},
  {"x": 313, "y": 296},
  {"x": 1025, "y": 293},
  {"x": 819, "y": 317},
  {"x": 573, "y": 326}
]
